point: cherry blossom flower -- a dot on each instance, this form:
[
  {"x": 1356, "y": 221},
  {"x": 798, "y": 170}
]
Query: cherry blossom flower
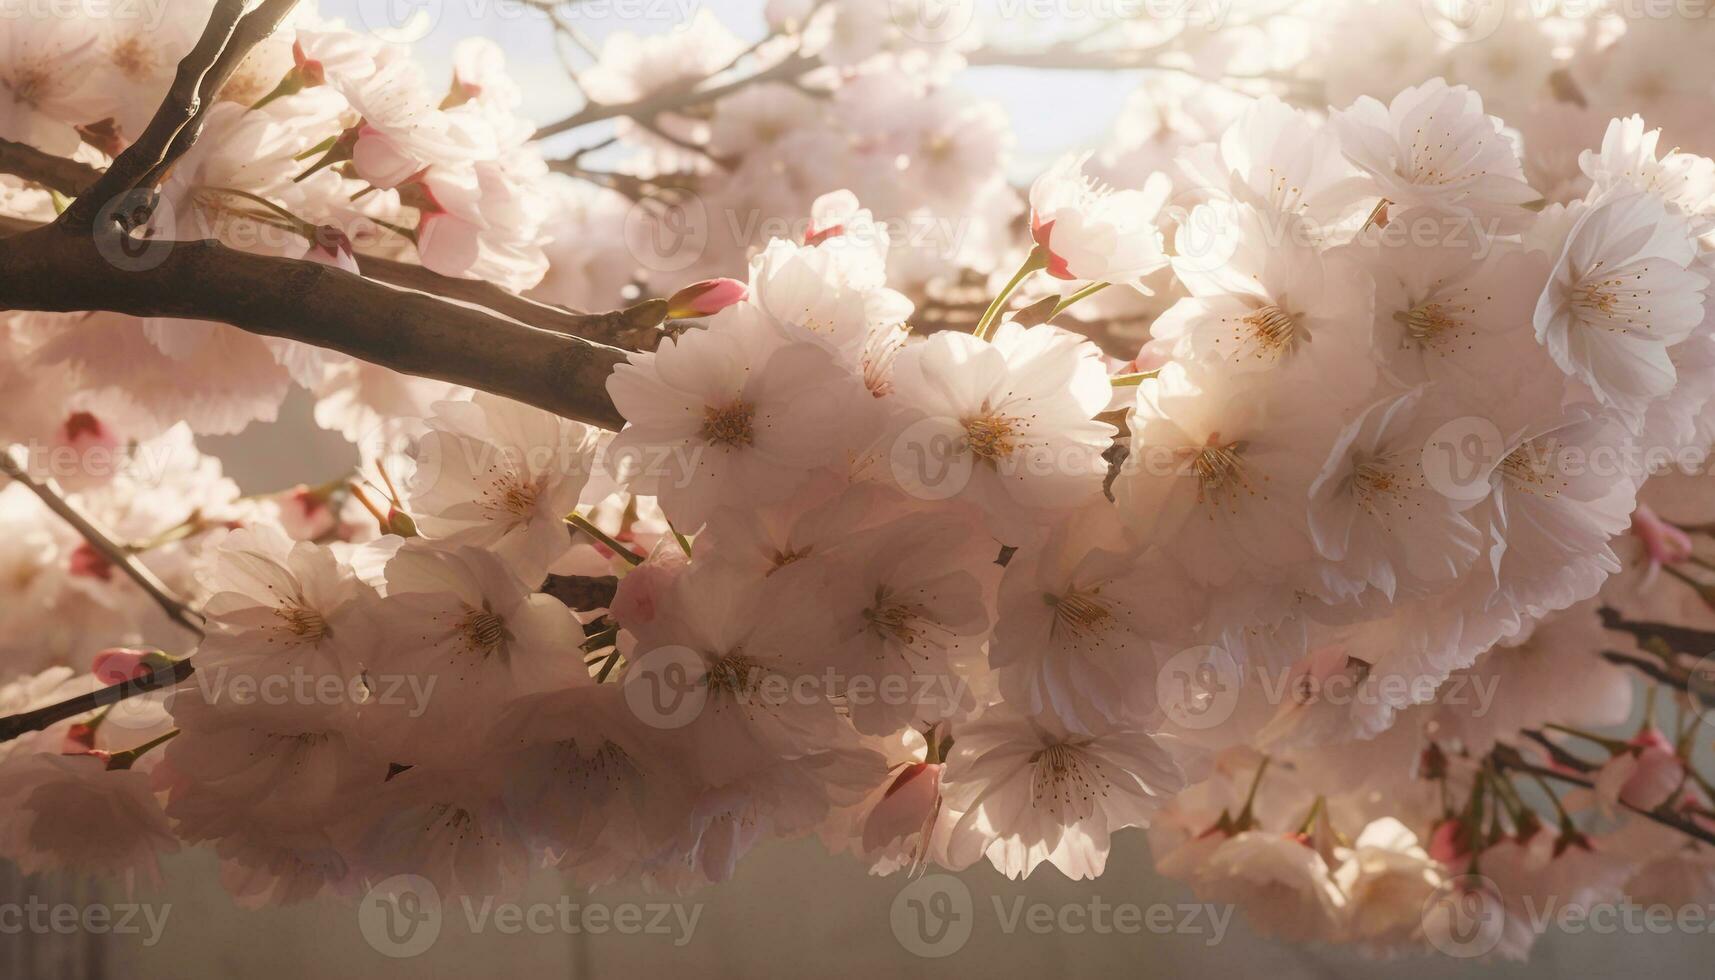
[
  {"x": 1433, "y": 146},
  {"x": 1017, "y": 415},
  {"x": 502, "y": 476},
  {"x": 1093, "y": 232},
  {"x": 1622, "y": 293},
  {"x": 1031, "y": 793},
  {"x": 733, "y": 406}
]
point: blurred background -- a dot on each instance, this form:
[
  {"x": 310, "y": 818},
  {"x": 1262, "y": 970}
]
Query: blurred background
[{"x": 792, "y": 907}]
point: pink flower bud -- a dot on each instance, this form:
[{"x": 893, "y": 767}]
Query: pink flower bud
[
  {"x": 1449, "y": 843},
  {"x": 330, "y": 246},
  {"x": 816, "y": 236},
  {"x": 310, "y": 71},
  {"x": 1040, "y": 233},
  {"x": 705, "y": 298},
  {"x": 86, "y": 562},
  {"x": 1665, "y": 544},
  {"x": 82, "y": 430},
  {"x": 119, "y": 664},
  {"x": 906, "y": 808},
  {"x": 635, "y": 600},
  {"x": 1644, "y": 775}
]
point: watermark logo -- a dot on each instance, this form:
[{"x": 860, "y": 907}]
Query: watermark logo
[
  {"x": 1464, "y": 917},
  {"x": 1464, "y": 21},
  {"x": 1459, "y": 456},
  {"x": 156, "y": 226},
  {"x": 1198, "y": 688},
  {"x": 667, "y": 234},
  {"x": 401, "y": 916},
  {"x": 932, "y": 22},
  {"x": 931, "y": 459},
  {"x": 933, "y": 916},
  {"x": 37, "y": 917},
  {"x": 667, "y": 687},
  {"x": 400, "y": 21}
]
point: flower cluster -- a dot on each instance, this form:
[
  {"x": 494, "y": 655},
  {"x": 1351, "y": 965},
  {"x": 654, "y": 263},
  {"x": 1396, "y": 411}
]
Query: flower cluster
[{"x": 1306, "y": 575}]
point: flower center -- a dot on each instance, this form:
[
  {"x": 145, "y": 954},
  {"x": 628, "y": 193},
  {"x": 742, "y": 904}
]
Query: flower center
[
  {"x": 1378, "y": 484},
  {"x": 1272, "y": 330},
  {"x": 511, "y": 495},
  {"x": 1063, "y": 780},
  {"x": 892, "y": 618},
  {"x": 302, "y": 622},
  {"x": 29, "y": 84},
  {"x": 783, "y": 558},
  {"x": 1080, "y": 613},
  {"x": 990, "y": 436},
  {"x": 1217, "y": 467},
  {"x": 134, "y": 59},
  {"x": 1428, "y": 322},
  {"x": 1524, "y": 470},
  {"x": 483, "y": 631},
  {"x": 733, "y": 673},
  {"x": 730, "y": 425}
]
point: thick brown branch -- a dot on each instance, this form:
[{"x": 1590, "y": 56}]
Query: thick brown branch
[
  {"x": 56, "y": 270},
  {"x": 582, "y": 592},
  {"x": 175, "y": 609},
  {"x": 251, "y": 31},
  {"x": 635, "y": 328},
  {"x": 152, "y": 148},
  {"x": 69, "y": 177}
]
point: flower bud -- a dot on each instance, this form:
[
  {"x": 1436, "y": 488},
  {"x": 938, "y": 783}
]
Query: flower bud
[{"x": 705, "y": 298}]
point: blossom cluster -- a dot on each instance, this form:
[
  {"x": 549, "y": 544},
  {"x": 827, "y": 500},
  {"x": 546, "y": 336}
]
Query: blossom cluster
[{"x": 1285, "y": 575}]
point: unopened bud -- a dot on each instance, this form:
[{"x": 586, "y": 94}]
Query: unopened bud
[{"x": 705, "y": 298}]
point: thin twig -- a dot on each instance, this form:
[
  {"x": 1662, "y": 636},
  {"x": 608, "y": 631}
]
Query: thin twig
[
  {"x": 13, "y": 726},
  {"x": 680, "y": 97},
  {"x": 175, "y": 608},
  {"x": 1507, "y": 757}
]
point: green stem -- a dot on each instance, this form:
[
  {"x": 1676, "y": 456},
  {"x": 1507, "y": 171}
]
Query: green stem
[
  {"x": 1090, "y": 290},
  {"x": 579, "y": 522},
  {"x": 1613, "y": 745},
  {"x": 125, "y": 759},
  {"x": 1245, "y": 819},
  {"x": 1375, "y": 213},
  {"x": 1131, "y": 380},
  {"x": 1036, "y": 261},
  {"x": 684, "y": 542}
]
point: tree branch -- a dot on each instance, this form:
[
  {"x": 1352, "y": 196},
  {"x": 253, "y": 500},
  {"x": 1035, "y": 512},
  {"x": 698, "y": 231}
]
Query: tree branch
[
  {"x": 672, "y": 99},
  {"x": 53, "y": 269},
  {"x": 251, "y": 31},
  {"x": 582, "y": 592},
  {"x": 13, "y": 726},
  {"x": 175, "y": 608},
  {"x": 153, "y": 148},
  {"x": 634, "y": 328},
  {"x": 1507, "y": 757},
  {"x": 69, "y": 177}
]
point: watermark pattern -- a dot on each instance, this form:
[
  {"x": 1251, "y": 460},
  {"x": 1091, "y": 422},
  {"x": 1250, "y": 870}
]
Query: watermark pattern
[
  {"x": 669, "y": 687},
  {"x": 935, "y": 917},
  {"x": 34, "y": 916},
  {"x": 403, "y": 916}
]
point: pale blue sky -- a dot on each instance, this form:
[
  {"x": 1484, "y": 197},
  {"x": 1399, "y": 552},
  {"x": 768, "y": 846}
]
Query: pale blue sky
[{"x": 1051, "y": 111}]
